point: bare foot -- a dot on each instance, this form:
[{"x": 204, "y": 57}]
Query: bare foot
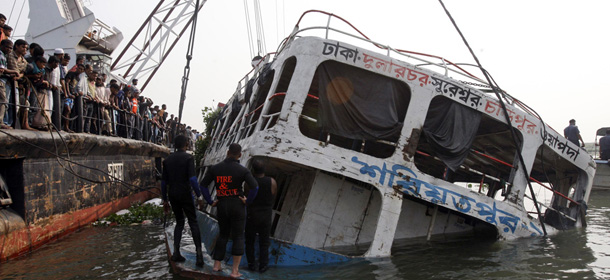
[
  {"x": 4, "y": 126},
  {"x": 236, "y": 275}
]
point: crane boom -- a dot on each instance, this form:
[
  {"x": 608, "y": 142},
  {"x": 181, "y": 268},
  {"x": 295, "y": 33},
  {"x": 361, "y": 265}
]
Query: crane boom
[{"x": 155, "y": 39}]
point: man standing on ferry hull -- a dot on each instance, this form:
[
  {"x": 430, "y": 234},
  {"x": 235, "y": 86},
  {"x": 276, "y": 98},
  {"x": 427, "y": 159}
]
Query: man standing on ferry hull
[
  {"x": 604, "y": 146},
  {"x": 259, "y": 218},
  {"x": 228, "y": 177},
  {"x": 179, "y": 175},
  {"x": 573, "y": 134}
]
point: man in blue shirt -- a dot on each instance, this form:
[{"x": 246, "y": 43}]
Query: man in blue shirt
[
  {"x": 573, "y": 134},
  {"x": 604, "y": 146}
]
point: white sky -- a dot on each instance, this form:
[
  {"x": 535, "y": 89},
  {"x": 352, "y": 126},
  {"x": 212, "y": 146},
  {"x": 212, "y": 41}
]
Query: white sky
[{"x": 552, "y": 55}]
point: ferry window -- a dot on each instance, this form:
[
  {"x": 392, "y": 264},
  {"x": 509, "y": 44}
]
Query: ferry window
[
  {"x": 553, "y": 172},
  {"x": 277, "y": 99},
  {"x": 219, "y": 135},
  {"x": 264, "y": 81},
  {"x": 235, "y": 108},
  {"x": 460, "y": 144},
  {"x": 355, "y": 109}
]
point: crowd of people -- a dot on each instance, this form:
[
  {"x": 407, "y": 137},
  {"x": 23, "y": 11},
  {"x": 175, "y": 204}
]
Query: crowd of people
[{"x": 43, "y": 93}]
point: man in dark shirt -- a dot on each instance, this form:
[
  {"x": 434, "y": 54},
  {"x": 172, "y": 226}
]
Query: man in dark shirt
[
  {"x": 228, "y": 177},
  {"x": 179, "y": 175},
  {"x": 604, "y": 146},
  {"x": 259, "y": 218},
  {"x": 573, "y": 134}
]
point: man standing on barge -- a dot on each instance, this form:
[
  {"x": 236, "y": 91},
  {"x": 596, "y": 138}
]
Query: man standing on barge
[
  {"x": 228, "y": 177},
  {"x": 604, "y": 146},
  {"x": 179, "y": 175},
  {"x": 573, "y": 134}
]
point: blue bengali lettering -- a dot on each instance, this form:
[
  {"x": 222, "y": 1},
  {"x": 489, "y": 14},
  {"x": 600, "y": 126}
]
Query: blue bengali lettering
[{"x": 438, "y": 195}]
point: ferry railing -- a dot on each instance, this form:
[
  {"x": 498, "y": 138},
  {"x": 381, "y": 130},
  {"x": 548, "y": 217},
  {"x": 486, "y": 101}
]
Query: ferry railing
[
  {"x": 267, "y": 120},
  {"x": 220, "y": 133},
  {"x": 508, "y": 165},
  {"x": 12, "y": 98},
  {"x": 531, "y": 178},
  {"x": 549, "y": 207},
  {"x": 131, "y": 124},
  {"x": 243, "y": 126},
  {"x": 235, "y": 127},
  {"x": 487, "y": 176},
  {"x": 242, "y": 83},
  {"x": 445, "y": 64}
]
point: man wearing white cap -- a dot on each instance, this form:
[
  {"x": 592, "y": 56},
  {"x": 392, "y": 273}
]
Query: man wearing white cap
[
  {"x": 62, "y": 70},
  {"x": 55, "y": 78}
]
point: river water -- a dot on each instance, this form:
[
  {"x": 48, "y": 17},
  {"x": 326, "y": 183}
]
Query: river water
[{"x": 138, "y": 252}]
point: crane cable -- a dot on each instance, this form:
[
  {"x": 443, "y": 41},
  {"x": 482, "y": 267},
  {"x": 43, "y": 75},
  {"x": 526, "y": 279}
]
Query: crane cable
[
  {"x": 18, "y": 17},
  {"x": 508, "y": 123},
  {"x": 260, "y": 33},
  {"x": 248, "y": 28},
  {"x": 187, "y": 67},
  {"x": 259, "y": 42}
]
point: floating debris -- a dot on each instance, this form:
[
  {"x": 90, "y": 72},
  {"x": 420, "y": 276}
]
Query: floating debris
[{"x": 147, "y": 213}]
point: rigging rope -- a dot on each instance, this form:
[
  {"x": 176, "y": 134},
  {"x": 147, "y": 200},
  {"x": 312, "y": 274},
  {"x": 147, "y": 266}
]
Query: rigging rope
[
  {"x": 508, "y": 123},
  {"x": 13, "y": 8},
  {"x": 187, "y": 67},
  {"x": 277, "y": 24},
  {"x": 248, "y": 28},
  {"x": 260, "y": 34}
]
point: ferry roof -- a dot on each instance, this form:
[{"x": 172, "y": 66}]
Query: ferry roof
[{"x": 602, "y": 131}]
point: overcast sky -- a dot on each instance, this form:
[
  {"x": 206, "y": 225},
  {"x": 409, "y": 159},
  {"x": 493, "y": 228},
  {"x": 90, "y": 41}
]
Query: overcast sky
[{"x": 552, "y": 55}]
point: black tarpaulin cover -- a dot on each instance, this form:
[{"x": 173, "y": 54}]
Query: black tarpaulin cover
[
  {"x": 358, "y": 104},
  {"x": 450, "y": 129}
]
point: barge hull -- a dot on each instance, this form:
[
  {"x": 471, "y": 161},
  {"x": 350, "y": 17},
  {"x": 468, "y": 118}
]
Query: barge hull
[
  {"x": 49, "y": 192},
  {"x": 29, "y": 238}
]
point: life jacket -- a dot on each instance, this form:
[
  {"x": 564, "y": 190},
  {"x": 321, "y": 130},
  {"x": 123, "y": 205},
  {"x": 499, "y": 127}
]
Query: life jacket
[{"x": 134, "y": 105}]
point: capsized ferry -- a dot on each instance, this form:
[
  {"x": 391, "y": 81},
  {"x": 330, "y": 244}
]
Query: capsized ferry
[{"x": 372, "y": 145}]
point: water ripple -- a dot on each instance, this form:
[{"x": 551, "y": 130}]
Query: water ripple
[{"x": 138, "y": 252}]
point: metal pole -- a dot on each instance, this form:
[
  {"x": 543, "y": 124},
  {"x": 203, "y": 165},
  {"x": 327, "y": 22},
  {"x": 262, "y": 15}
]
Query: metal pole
[{"x": 431, "y": 227}]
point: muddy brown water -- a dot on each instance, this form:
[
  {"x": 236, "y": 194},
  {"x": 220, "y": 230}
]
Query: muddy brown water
[{"x": 138, "y": 252}]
